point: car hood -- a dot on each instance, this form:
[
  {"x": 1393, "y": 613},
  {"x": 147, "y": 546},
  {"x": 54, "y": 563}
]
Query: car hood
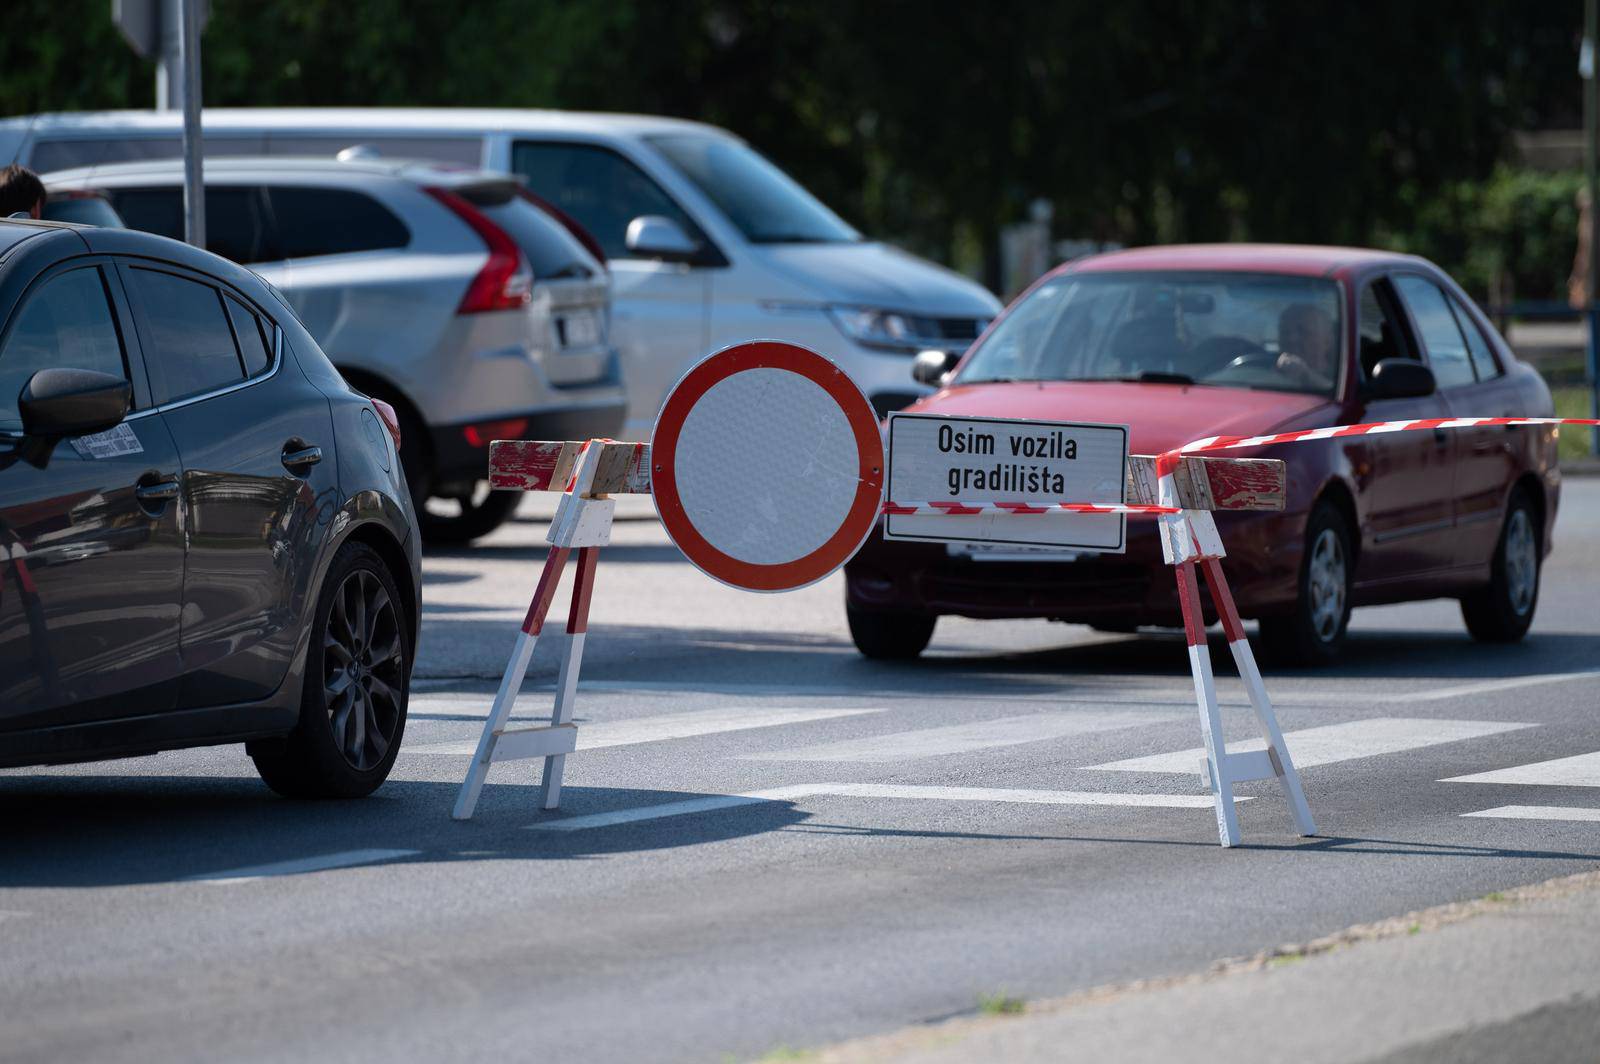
[
  {"x": 877, "y": 275},
  {"x": 1159, "y": 417}
]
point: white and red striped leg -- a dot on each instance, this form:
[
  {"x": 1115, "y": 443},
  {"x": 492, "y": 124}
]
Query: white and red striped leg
[
  {"x": 1205, "y": 691},
  {"x": 571, "y": 661},
  {"x": 511, "y": 682},
  {"x": 1277, "y": 752}
]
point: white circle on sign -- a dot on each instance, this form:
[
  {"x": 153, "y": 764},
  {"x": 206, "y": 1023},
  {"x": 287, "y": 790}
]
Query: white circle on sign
[{"x": 767, "y": 466}]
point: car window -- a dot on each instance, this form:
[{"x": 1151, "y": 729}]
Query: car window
[
  {"x": 766, "y": 204},
  {"x": 1383, "y": 333},
  {"x": 332, "y": 221},
  {"x": 252, "y": 335},
  {"x": 553, "y": 253},
  {"x": 1483, "y": 362},
  {"x": 235, "y": 223},
  {"x": 190, "y": 348},
  {"x": 1441, "y": 336},
  {"x": 81, "y": 209},
  {"x": 599, "y": 188},
  {"x": 66, "y": 323},
  {"x": 68, "y": 152}
]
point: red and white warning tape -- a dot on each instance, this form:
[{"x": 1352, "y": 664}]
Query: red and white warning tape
[
  {"x": 1168, "y": 460},
  {"x": 1165, "y": 463},
  {"x": 970, "y": 509}
]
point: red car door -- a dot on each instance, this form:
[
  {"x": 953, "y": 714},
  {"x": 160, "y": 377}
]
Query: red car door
[{"x": 1406, "y": 479}]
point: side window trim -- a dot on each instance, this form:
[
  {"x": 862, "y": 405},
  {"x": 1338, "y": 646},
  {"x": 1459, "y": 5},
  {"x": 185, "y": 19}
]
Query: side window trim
[
  {"x": 711, "y": 255},
  {"x": 121, "y": 319},
  {"x": 1394, "y": 309},
  {"x": 123, "y": 263}
]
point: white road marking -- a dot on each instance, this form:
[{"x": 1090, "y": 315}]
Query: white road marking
[
  {"x": 1538, "y": 812},
  {"x": 876, "y": 790},
  {"x": 960, "y": 738},
  {"x": 301, "y": 865},
  {"x": 1333, "y": 742},
  {"x": 1580, "y": 770},
  {"x": 1489, "y": 687},
  {"x": 669, "y": 726}
]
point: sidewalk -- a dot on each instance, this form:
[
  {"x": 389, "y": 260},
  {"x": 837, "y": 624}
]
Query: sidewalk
[{"x": 1514, "y": 976}]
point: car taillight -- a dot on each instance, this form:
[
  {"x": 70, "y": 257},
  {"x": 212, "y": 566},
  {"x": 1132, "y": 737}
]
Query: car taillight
[
  {"x": 505, "y": 282},
  {"x": 390, "y": 419},
  {"x": 483, "y": 432}
]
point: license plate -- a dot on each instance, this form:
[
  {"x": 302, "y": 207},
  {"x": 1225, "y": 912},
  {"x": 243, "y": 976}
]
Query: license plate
[
  {"x": 1005, "y": 552},
  {"x": 580, "y": 330}
]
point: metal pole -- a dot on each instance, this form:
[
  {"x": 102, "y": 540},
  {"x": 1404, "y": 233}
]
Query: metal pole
[
  {"x": 194, "y": 201},
  {"x": 169, "y": 64},
  {"x": 1591, "y": 117}
]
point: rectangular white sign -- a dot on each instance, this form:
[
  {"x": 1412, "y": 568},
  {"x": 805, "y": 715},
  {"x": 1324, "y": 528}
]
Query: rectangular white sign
[{"x": 979, "y": 459}]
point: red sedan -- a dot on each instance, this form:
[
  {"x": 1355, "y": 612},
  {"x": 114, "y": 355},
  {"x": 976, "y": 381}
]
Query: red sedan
[{"x": 1181, "y": 343}]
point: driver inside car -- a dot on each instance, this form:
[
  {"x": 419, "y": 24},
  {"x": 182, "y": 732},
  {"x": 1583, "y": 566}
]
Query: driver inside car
[{"x": 1309, "y": 346}]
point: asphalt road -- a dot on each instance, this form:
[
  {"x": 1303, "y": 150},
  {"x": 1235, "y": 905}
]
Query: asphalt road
[{"x": 772, "y": 842}]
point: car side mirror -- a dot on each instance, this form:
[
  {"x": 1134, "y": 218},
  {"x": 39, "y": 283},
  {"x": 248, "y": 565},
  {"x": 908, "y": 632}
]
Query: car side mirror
[
  {"x": 72, "y": 402},
  {"x": 650, "y": 236},
  {"x": 1400, "y": 378},
  {"x": 930, "y": 366}
]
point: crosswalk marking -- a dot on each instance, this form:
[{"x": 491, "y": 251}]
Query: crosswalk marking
[
  {"x": 670, "y": 726},
  {"x": 1538, "y": 812},
  {"x": 1580, "y": 770},
  {"x": 1333, "y": 742},
  {"x": 960, "y": 738},
  {"x": 876, "y": 790},
  {"x": 301, "y": 865}
]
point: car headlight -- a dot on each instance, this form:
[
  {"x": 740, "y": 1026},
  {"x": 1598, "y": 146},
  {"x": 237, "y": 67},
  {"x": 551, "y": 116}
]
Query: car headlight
[{"x": 889, "y": 330}]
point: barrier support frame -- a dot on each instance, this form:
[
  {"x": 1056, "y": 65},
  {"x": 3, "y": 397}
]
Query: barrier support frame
[
  {"x": 582, "y": 523},
  {"x": 1191, "y": 545}
]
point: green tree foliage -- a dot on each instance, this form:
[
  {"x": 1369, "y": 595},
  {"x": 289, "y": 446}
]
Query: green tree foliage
[{"x": 936, "y": 122}]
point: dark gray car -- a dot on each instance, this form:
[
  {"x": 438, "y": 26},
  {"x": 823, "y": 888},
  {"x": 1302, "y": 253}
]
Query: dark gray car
[{"x": 205, "y": 533}]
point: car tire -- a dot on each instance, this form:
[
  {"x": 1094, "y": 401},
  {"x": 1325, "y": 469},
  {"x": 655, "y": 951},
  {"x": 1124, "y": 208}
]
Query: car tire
[
  {"x": 357, "y": 680},
  {"x": 1314, "y": 633},
  {"x": 1502, "y": 610},
  {"x": 890, "y": 636},
  {"x": 476, "y": 519}
]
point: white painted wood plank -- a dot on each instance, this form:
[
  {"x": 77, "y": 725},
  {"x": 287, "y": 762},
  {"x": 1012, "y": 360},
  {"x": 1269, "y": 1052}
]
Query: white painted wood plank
[
  {"x": 1580, "y": 770},
  {"x": 876, "y": 790},
  {"x": 1333, "y": 743},
  {"x": 961, "y": 738},
  {"x": 665, "y": 726},
  {"x": 1538, "y": 812},
  {"x": 302, "y": 865},
  {"x": 516, "y": 744}
]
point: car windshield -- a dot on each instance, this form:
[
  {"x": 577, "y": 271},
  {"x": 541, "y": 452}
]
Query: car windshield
[
  {"x": 1241, "y": 330},
  {"x": 766, "y": 204}
]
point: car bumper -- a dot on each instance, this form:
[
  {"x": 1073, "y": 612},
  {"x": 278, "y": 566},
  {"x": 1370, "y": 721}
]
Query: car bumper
[
  {"x": 1114, "y": 590},
  {"x": 461, "y": 450}
]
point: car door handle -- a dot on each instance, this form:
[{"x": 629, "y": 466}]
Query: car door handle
[
  {"x": 150, "y": 490},
  {"x": 297, "y": 456},
  {"x": 1441, "y": 437}
]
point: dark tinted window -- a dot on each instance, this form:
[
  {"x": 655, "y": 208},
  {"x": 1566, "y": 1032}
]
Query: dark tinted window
[
  {"x": 190, "y": 347},
  {"x": 81, "y": 210},
  {"x": 1383, "y": 334},
  {"x": 599, "y": 188},
  {"x": 552, "y": 252},
  {"x": 1483, "y": 363},
  {"x": 253, "y": 335},
  {"x": 66, "y": 323},
  {"x": 235, "y": 223},
  {"x": 332, "y": 221},
  {"x": 1447, "y": 348}
]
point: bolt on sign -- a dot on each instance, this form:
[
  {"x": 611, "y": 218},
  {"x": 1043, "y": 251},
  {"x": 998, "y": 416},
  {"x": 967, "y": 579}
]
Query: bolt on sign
[{"x": 944, "y": 467}]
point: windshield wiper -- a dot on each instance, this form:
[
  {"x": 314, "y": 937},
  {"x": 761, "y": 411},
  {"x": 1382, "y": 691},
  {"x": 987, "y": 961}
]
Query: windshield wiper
[{"x": 1155, "y": 376}]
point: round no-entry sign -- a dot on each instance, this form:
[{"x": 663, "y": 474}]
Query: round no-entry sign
[{"x": 767, "y": 466}]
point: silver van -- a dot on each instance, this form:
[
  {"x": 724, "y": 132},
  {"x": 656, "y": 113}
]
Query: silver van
[
  {"x": 444, "y": 291},
  {"x": 708, "y": 242}
]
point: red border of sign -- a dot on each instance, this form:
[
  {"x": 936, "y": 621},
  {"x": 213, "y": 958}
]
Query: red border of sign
[{"x": 858, "y": 522}]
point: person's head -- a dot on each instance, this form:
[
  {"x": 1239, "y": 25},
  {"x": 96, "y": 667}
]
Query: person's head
[
  {"x": 20, "y": 190},
  {"x": 1307, "y": 330}
]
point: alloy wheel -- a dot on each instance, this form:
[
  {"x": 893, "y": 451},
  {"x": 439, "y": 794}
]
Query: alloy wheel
[
  {"x": 363, "y": 669},
  {"x": 1326, "y": 577},
  {"x": 1521, "y": 562}
]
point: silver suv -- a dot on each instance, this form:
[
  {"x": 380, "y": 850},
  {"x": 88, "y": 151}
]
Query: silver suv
[{"x": 452, "y": 294}]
